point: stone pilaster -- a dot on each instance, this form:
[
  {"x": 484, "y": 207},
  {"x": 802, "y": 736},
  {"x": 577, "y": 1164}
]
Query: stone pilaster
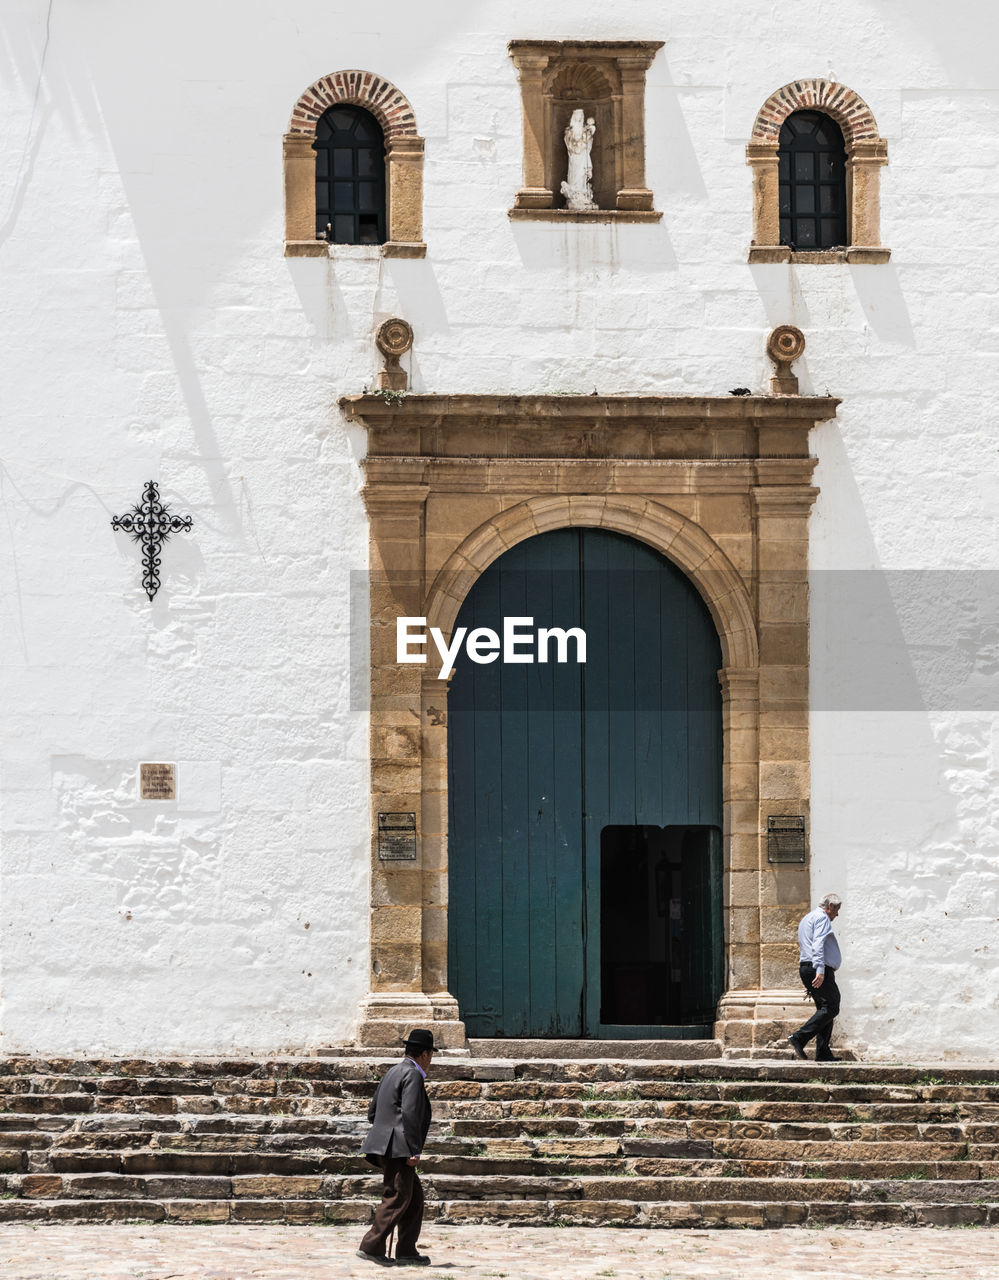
[
  {"x": 300, "y": 198},
  {"x": 535, "y": 193},
  {"x": 404, "y": 158},
  {"x": 633, "y": 193}
]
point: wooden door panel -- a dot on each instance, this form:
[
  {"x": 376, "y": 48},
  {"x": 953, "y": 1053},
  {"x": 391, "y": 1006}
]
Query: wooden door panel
[{"x": 543, "y": 757}]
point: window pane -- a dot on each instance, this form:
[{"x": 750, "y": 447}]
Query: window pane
[
  {"x": 343, "y": 162},
  {"x": 365, "y": 130},
  {"x": 806, "y": 232},
  {"x": 368, "y": 228},
  {"x": 367, "y": 197},
  {"x": 828, "y": 132},
  {"x": 322, "y": 162},
  {"x": 343, "y": 229},
  {"x": 785, "y": 230},
  {"x": 322, "y": 195},
  {"x": 829, "y": 198},
  {"x": 367, "y": 162},
  {"x": 805, "y": 199},
  {"x": 804, "y": 166},
  {"x": 343, "y": 195},
  {"x": 785, "y": 198},
  {"x": 829, "y": 165},
  {"x": 831, "y": 232}
]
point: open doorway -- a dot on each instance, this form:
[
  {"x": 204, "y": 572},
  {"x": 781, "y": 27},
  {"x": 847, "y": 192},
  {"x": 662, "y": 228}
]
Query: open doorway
[{"x": 660, "y": 925}]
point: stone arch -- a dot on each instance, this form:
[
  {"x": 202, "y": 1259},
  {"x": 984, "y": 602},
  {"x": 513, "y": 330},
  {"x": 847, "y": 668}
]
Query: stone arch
[
  {"x": 866, "y": 152},
  {"x": 386, "y": 103},
  {"x": 678, "y": 538},
  {"x": 846, "y": 107},
  {"x": 403, "y": 162}
]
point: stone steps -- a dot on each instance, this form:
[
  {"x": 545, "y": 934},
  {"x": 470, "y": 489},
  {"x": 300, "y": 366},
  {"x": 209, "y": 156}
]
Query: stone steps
[
  {"x": 625, "y": 1213},
  {"x": 442, "y": 1186},
  {"x": 712, "y": 1165},
  {"x": 646, "y": 1142}
]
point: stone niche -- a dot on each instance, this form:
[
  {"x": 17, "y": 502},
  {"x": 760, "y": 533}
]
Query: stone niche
[
  {"x": 607, "y": 80},
  {"x": 719, "y": 484}
]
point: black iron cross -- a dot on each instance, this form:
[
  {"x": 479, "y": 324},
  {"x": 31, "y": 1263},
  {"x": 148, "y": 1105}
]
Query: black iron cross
[{"x": 150, "y": 523}]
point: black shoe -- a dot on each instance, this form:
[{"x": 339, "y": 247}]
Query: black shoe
[
  {"x": 829, "y": 1057},
  {"x": 412, "y": 1260},
  {"x": 797, "y": 1046},
  {"x": 379, "y": 1259}
]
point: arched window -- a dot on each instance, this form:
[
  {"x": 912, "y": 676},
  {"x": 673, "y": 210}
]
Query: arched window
[
  {"x": 816, "y": 159},
  {"x": 353, "y": 169},
  {"x": 350, "y": 177},
  {"x": 811, "y": 171}
]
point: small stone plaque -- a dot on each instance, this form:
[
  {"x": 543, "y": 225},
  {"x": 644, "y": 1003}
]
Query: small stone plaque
[
  {"x": 397, "y": 837},
  {"x": 158, "y": 781},
  {"x": 786, "y": 838}
]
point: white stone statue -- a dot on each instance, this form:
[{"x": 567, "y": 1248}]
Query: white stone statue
[{"x": 578, "y": 186}]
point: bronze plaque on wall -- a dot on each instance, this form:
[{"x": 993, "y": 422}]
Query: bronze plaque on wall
[
  {"x": 786, "y": 838},
  {"x": 397, "y": 837},
  {"x": 157, "y": 782}
]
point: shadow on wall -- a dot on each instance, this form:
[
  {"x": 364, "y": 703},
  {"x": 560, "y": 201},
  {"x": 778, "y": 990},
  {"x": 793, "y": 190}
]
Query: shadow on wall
[
  {"x": 578, "y": 249},
  {"x": 672, "y": 165},
  {"x": 880, "y": 295},
  {"x": 968, "y": 61},
  {"x": 904, "y": 690}
]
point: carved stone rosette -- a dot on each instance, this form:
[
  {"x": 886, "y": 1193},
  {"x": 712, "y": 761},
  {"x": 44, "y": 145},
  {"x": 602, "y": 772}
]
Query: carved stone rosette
[{"x": 393, "y": 339}]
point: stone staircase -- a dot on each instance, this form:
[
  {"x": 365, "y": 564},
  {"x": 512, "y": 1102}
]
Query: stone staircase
[{"x": 642, "y": 1142}]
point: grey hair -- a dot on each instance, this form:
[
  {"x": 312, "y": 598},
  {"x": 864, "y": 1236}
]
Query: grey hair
[{"x": 831, "y": 900}]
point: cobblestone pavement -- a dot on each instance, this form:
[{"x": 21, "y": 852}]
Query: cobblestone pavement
[{"x": 472, "y": 1253}]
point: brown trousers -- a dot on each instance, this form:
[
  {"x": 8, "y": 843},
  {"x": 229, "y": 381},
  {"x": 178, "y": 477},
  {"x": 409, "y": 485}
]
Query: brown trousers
[{"x": 401, "y": 1208}]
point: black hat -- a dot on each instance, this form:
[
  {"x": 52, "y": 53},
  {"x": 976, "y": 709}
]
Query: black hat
[{"x": 420, "y": 1040}]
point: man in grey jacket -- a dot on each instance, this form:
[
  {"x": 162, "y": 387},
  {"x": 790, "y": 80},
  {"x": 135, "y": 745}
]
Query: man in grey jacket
[
  {"x": 820, "y": 958},
  {"x": 399, "y": 1115}
]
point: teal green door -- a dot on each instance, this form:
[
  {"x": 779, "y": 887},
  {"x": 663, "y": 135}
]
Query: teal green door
[{"x": 585, "y": 800}]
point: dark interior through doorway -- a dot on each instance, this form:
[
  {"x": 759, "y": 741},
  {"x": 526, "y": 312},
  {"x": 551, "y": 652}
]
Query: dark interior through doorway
[{"x": 660, "y": 925}]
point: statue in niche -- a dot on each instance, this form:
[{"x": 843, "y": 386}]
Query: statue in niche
[{"x": 578, "y": 186}]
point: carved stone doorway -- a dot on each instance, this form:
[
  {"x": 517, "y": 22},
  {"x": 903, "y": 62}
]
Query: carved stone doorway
[{"x": 722, "y": 487}]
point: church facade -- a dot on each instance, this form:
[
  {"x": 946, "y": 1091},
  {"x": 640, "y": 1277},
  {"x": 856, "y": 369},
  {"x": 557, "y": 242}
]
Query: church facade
[{"x": 499, "y": 520}]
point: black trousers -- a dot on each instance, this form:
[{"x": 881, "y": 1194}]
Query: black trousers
[
  {"x": 826, "y": 998},
  {"x": 401, "y": 1208}
]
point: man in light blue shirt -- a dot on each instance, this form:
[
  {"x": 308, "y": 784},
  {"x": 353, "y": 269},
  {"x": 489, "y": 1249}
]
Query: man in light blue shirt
[{"x": 820, "y": 958}]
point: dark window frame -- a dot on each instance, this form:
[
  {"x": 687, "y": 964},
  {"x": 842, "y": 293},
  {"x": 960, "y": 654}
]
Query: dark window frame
[
  {"x": 812, "y": 187},
  {"x": 350, "y": 176}
]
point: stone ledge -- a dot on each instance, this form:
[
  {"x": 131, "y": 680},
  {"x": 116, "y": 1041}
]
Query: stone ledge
[
  {"x": 323, "y": 249},
  {"x": 584, "y": 215},
  {"x": 855, "y": 255}
]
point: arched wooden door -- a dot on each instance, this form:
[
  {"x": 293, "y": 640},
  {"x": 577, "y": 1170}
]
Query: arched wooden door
[{"x": 585, "y": 801}]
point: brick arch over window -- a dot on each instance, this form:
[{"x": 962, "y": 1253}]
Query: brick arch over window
[
  {"x": 403, "y": 162},
  {"x": 866, "y": 152}
]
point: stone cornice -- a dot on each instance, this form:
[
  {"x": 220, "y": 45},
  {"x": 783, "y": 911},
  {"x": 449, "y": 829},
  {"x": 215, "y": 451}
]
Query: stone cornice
[
  {"x": 641, "y": 429},
  {"x": 525, "y": 410}
]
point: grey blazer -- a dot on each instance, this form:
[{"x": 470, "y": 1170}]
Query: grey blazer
[{"x": 399, "y": 1114}]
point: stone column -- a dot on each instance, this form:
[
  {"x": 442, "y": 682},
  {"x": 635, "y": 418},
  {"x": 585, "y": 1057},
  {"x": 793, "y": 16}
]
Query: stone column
[
  {"x": 449, "y": 1030},
  {"x": 404, "y": 161},
  {"x": 741, "y": 833},
  {"x": 535, "y": 193},
  {"x": 300, "y": 198},
  {"x": 633, "y": 193},
  {"x": 766, "y": 246},
  {"x": 864, "y": 196},
  {"x": 407, "y": 756},
  {"x": 781, "y": 515},
  {"x": 396, "y": 997}
]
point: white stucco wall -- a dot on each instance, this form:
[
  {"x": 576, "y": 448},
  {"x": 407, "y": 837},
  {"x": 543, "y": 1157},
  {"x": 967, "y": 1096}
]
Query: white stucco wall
[{"x": 152, "y": 329}]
